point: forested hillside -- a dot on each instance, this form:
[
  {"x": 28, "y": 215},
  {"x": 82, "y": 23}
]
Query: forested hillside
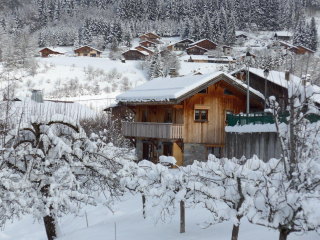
[{"x": 98, "y": 22}]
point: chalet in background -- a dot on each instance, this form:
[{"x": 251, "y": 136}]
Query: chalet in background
[
  {"x": 181, "y": 45},
  {"x": 144, "y": 49},
  {"x": 134, "y": 54},
  {"x": 243, "y": 36},
  {"x": 196, "y": 50},
  {"x": 227, "y": 50},
  {"x": 45, "y": 52},
  {"x": 303, "y": 50},
  {"x": 87, "y": 51},
  {"x": 184, "y": 117},
  {"x": 205, "y": 43},
  {"x": 147, "y": 44},
  {"x": 283, "y": 35},
  {"x": 152, "y": 37}
]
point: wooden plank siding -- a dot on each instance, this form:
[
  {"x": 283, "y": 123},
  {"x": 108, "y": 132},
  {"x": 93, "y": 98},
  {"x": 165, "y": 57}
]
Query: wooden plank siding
[{"x": 213, "y": 131}]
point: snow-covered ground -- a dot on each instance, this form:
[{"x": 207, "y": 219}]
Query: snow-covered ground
[{"x": 131, "y": 225}]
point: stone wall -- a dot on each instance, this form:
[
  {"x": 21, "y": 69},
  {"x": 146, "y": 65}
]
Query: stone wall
[
  {"x": 265, "y": 145},
  {"x": 194, "y": 151}
]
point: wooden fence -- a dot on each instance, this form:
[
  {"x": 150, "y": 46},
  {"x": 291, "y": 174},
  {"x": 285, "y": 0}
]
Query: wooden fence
[{"x": 152, "y": 130}]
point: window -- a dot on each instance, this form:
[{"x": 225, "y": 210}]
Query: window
[
  {"x": 227, "y": 92},
  {"x": 168, "y": 116},
  {"x": 85, "y": 54},
  {"x": 144, "y": 116},
  {"x": 93, "y": 55},
  {"x": 200, "y": 115},
  {"x": 204, "y": 91}
]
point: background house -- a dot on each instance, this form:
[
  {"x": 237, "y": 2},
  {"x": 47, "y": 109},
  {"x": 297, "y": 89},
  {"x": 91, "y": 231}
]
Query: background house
[
  {"x": 152, "y": 37},
  {"x": 205, "y": 43},
  {"x": 45, "y": 52},
  {"x": 134, "y": 54},
  {"x": 87, "y": 51}
]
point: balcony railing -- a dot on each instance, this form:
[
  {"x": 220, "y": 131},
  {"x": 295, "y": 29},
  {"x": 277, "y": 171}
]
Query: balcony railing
[{"x": 152, "y": 130}]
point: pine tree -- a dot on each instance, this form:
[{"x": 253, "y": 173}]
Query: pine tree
[
  {"x": 314, "y": 35},
  {"x": 186, "y": 30},
  {"x": 155, "y": 69},
  {"x": 196, "y": 34},
  {"x": 206, "y": 31}
]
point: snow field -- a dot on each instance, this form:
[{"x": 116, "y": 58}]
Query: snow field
[{"x": 131, "y": 225}]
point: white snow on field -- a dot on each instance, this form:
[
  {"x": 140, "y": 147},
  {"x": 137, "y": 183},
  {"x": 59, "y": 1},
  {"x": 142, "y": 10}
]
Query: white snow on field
[{"x": 131, "y": 225}]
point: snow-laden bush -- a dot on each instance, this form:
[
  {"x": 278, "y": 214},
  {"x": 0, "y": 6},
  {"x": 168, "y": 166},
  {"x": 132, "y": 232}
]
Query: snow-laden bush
[{"x": 50, "y": 168}]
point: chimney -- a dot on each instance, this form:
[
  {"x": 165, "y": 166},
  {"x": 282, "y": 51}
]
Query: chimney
[
  {"x": 173, "y": 73},
  {"x": 37, "y": 96},
  {"x": 287, "y": 75}
]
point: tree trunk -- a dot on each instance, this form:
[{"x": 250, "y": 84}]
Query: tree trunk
[
  {"x": 50, "y": 225},
  {"x": 283, "y": 234},
  {"x": 235, "y": 232},
  {"x": 144, "y": 206},
  {"x": 182, "y": 217}
]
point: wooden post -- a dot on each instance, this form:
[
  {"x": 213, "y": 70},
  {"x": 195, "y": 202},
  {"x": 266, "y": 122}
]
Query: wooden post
[
  {"x": 144, "y": 206},
  {"x": 182, "y": 218},
  {"x": 115, "y": 231},
  {"x": 87, "y": 219}
]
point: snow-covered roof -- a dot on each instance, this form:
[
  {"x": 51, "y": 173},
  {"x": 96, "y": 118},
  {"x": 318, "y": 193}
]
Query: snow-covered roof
[
  {"x": 284, "y": 34},
  {"x": 178, "y": 89},
  {"x": 88, "y": 47},
  {"x": 206, "y": 57},
  {"x": 201, "y": 40},
  {"x": 193, "y": 46},
  {"x": 181, "y": 41},
  {"x": 146, "y": 49},
  {"x": 288, "y": 44},
  {"x": 147, "y": 41},
  {"x": 275, "y": 77},
  {"x": 149, "y": 33},
  {"x": 56, "y": 49},
  {"x": 142, "y": 52}
]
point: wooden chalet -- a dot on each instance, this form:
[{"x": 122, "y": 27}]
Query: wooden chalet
[
  {"x": 134, "y": 54},
  {"x": 147, "y": 44},
  {"x": 209, "y": 59},
  {"x": 180, "y": 46},
  {"x": 205, "y": 43},
  {"x": 87, "y": 51},
  {"x": 144, "y": 49},
  {"x": 196, "y": 50},
  {"x": 184, "y": 117},
  {"x": 304, "y": 50},
  {"x": 288, "y": 46},
  {"x": 152, "y": 37},
  {"x": 45, "y": 52}
]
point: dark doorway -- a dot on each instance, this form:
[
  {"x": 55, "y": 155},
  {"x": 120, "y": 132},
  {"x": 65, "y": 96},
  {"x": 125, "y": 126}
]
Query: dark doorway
[{"x": 147, "y": 151}]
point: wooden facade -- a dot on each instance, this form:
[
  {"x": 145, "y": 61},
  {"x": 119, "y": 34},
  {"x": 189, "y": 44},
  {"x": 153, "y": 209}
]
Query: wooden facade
[
  {"x": 200, "y": 118},
  {"x": 205, "y": 43},
  {"x": 304, "y": 50},
  {"x": 196, "y": 50},
  {"x": 87, "y": 51},
  {"x": 152, "y": 37},
  {"x": 134, "y": 54}
]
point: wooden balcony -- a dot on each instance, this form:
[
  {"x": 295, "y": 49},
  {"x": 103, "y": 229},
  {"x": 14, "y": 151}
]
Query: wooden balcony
[{"x": 153, "y": 130}]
